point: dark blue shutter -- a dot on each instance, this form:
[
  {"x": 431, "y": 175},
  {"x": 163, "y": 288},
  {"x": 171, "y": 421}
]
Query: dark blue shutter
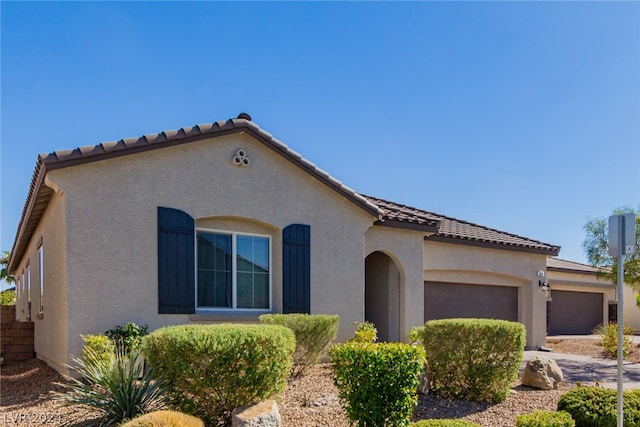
[
  {"x": 296, "y": 271},
  {"x": 176, "y": 265}
]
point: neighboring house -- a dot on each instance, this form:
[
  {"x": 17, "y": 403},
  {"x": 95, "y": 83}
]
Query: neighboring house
[
  {"x": 221, "y": 222},
  {"x": 580, "y": 298}
]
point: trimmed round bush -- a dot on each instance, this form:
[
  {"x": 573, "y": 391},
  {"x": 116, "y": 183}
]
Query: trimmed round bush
[
  {"x": 212, "y": 369},
  {"x": 545, "y": 419},
  {"x": 378, "y": 382},
  {"x": 595, "y": 406},
  {"x": 444, "y": 423},
  {"x": 314, "y": 333},
  {"x": 473, "y": 359},
  {"x": 165, "y": 419}
]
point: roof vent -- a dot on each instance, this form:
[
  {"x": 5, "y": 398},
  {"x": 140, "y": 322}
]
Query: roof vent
[{"x": 244, "y": 116}]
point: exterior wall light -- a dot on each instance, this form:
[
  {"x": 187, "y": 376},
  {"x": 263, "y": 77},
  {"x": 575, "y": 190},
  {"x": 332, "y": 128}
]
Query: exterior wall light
[{"x": 542, "y": 283}]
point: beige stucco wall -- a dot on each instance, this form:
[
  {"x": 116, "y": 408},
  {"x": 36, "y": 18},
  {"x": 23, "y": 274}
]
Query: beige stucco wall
[
  {"x": 111, "y": 213},
  {"x": 50, "y": 340},
  {"x": 459, "y": 263},
  {"x": 631, "y": 310},
  {"x": 404, "y": 248}
]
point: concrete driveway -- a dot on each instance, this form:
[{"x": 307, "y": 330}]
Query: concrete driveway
[{"x": 590, "y": 370}]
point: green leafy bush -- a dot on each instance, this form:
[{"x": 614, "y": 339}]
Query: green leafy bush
[
  {"x": 128, "y": 337},
  {"x": 415, "y": 335},
  {"x": 545, "y": 419},
  {"x": 609, "y": 335},
  {"x": 165, "y": 419},
  {"x": 366, "y": 332},
  {"x": 598, "y": 407},
  {"x": 212, "y": 369},
  {"x": 377, "y": 382},
  {"x": 8, "y": 297},
  {"x": 98, "y": 349},
  {"x": 119, "y": 390},
  {"x": 473, "y": 359},
  {"x": 444, "y": 423},
  {"x": 313, "y": 335}
]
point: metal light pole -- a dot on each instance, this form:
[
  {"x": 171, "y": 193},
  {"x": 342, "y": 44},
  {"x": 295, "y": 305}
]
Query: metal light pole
[{"x": 622, "y": 239}]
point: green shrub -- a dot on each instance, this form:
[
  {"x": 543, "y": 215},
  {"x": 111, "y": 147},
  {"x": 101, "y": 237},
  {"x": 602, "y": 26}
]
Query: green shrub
[
  {"x": 119, "y": 390},
  {"x": 545, "y": 419},
  {"x": 98, "y": 349},
  {"x": 415, "y": 335},
  {"x": 366, "y": 332},
  {"x": 473, "y": 359},
  {"x": 212, "y": 369},
  {"x": 313, "y": 335},
  {"x": 128, "y": 337},
  {"x": 377, "y": 382},
  {"x": 8, "y": 297},
  {"x": 609, "y": 335},
  {"x": 444, "y": 423},
  {"x": 598, "y": 407},
  {"x": 165, "y": 419}
]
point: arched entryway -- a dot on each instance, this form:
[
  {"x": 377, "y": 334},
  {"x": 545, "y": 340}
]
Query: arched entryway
[{"x": 382, "y": 295}]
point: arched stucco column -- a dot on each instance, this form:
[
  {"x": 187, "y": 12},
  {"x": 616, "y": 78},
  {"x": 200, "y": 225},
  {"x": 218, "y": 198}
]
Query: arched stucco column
[{"x": 405, "y": 248}]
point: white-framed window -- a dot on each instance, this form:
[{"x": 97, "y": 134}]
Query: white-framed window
[
  {"x": 41, "y": 276},
  {"x": 28, "y": 284},
  {"x": 233, "y": 270}
]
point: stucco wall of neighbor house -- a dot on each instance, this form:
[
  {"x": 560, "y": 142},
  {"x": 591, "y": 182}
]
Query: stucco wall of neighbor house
[
  {"x": 404, "y": 248},
  {"x": 112, "y": 229},
  {"x": 486, "y": 266},
  {"x": 50, "y": 338},
  {"x": 576, "y": 281},
  {"x": 630, "y": 309}
]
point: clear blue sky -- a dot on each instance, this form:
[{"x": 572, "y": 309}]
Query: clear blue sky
[{"x": 522, "y": 116}]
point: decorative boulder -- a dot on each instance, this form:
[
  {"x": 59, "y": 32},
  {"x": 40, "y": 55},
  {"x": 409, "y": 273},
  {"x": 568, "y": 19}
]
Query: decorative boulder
[
  {"x": 263, "y": 414},
  {"x": 542, "y": 373}
]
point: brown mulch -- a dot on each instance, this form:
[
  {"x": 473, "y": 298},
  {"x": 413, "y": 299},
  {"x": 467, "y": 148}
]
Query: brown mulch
[{"x": 311, "y": 401}]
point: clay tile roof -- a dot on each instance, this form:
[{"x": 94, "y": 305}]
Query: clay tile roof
[
  {"x": 558, "y": 264},
  {"x": 456, "y": 230},
  {"x": 388, "y": 213},
  {"x": 39, "y": 194}
]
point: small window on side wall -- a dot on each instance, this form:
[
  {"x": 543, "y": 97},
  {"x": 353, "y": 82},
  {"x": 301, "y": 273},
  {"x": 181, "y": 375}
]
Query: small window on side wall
[{"x": 41, "y": 277}]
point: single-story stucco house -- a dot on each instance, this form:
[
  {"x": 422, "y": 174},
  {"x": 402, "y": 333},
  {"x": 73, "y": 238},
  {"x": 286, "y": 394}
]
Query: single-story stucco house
[{"x": 221, "y": 222}]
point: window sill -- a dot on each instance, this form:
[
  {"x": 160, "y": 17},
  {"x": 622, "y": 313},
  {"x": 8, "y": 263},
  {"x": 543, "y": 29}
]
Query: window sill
[
  {"x": 41, "y": 315},
  {"x": 227, "y": 316}
]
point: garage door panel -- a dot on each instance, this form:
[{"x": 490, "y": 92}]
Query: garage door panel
[
  {"x": 574, "y": 312},
  {"x": 450, "y": 300}
]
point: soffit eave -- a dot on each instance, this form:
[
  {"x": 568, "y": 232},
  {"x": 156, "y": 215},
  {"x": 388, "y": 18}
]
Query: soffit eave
[{"x": 37, "y": 202}]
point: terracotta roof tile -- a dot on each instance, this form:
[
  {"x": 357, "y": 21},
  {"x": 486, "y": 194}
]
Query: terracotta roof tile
[
  {"x": 452, "y": 229},
  {"x": 562, "y": 264},
  {"x": 64, "y": 158},
  {"x": 387, "y": 212}
]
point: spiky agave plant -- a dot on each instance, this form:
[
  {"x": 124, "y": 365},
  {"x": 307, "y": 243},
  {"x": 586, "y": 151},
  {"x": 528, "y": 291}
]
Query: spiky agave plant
[{"x": 120, "y": 388}]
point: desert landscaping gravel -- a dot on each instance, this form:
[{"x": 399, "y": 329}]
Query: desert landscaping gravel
[{"x": 311, "y": 401}]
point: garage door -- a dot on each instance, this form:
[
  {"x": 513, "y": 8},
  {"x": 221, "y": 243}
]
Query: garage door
[
  {"x": 574, "y": 312},
  {"x": 449, "y": 300}
]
